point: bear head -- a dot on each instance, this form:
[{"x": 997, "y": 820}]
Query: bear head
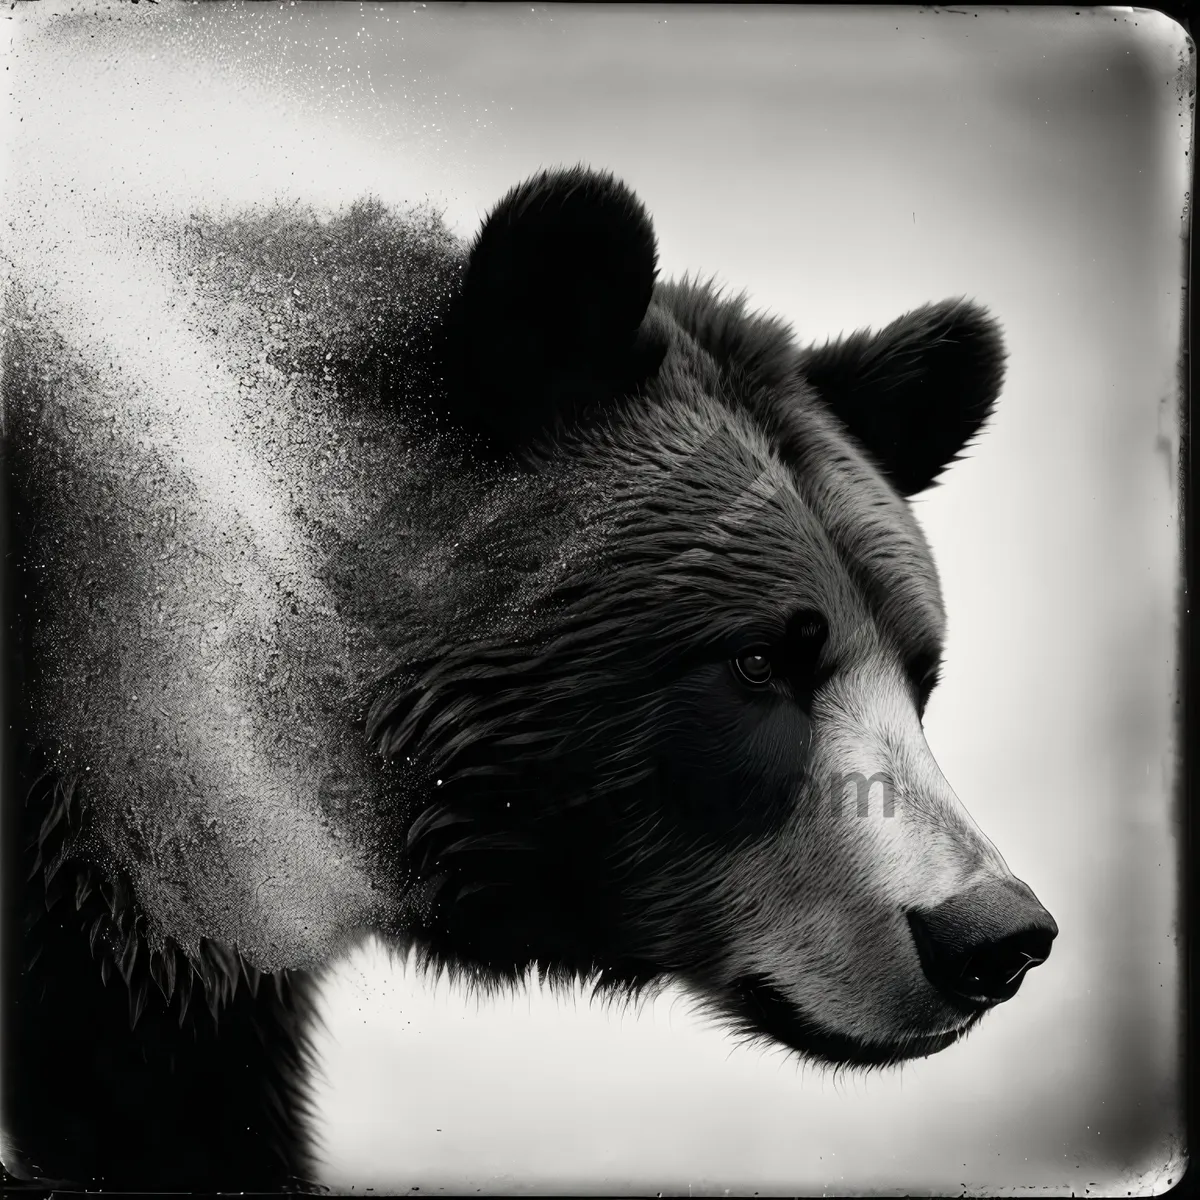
[{"x": 668, "y": 725}]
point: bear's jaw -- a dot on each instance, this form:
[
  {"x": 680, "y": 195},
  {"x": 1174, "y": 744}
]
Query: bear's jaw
[{"x": 760, "y": 1010}]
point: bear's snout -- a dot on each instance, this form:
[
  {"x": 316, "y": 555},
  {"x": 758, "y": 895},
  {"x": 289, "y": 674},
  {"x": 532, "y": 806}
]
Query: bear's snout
[{"x": 976, "y": 947}]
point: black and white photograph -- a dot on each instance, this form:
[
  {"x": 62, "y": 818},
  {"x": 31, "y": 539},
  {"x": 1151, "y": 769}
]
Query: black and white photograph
[{"x": 593, "y": 598}]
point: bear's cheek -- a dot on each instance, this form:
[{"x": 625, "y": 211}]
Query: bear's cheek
[{"x": 730, "y": 761}]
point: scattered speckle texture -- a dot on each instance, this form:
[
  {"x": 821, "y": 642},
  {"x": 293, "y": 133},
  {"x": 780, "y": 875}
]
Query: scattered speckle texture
[
  {"x": 194, "y": 481},
  {"x": 244, "y": 514}
]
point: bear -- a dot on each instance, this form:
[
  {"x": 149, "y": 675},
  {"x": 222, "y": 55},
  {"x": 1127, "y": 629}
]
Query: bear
[{"x": 597, "y": 636}]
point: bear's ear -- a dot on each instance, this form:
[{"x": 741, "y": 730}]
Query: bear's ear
[
  {"x": 917, "y": 392},
  {"x": 556, "y": 286}
]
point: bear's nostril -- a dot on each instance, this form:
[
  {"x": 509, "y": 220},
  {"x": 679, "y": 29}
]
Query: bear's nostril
[
  {"x": 977, "y": 948},
  {"x": 994, "y": 970}
]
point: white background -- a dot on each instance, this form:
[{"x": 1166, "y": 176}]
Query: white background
[{"x": 842, "y": 166}]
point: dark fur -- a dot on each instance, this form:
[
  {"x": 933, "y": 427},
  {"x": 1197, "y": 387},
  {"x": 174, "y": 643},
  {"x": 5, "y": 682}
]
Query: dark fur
[{"x": 561, "y": 721}]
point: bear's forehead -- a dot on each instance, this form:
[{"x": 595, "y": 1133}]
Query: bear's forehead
[{"x": 775, "y": 520}]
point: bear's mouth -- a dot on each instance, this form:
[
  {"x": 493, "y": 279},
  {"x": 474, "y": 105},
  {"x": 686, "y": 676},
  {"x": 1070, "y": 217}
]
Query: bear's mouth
[{"x": 761, "y": 1008}]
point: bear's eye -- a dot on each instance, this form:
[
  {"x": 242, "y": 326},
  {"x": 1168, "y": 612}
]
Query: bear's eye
[
  {"x": 924, "y": 670},
  {"x": 753, "y": 667}
]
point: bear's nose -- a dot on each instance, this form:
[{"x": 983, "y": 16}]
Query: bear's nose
[{"x": 976, "y": 947}]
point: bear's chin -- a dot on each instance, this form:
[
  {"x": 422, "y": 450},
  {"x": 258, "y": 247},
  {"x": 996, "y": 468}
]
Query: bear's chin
[{"x": 760, "y": 1010}]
